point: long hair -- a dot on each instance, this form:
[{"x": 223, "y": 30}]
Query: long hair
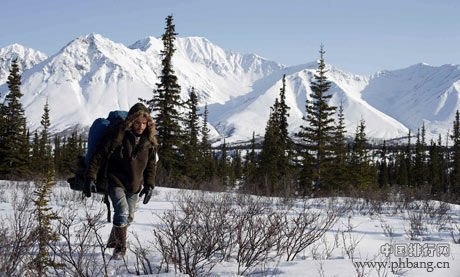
[{"x": 150, "y": 130}]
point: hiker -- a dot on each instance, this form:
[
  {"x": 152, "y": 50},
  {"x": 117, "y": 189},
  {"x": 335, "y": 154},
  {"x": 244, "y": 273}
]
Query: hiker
[{"x": 129, "y": 150}]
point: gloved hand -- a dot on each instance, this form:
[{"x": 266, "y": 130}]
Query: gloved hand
[
  {"x": 90, "y": 186},
  {"x": 148, "y": 194}
]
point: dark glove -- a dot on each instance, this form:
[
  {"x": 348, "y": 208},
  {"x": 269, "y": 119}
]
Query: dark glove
[
  {"x": 90, "y": 186},
  {"x": 148, "y": 194}
]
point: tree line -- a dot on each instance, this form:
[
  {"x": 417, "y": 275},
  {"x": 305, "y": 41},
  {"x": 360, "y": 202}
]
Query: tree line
[
  {"x": 320, "y": 159},
  {"x": 26, "y": 156}
]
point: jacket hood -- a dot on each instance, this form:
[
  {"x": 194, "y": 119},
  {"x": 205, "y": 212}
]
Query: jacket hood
[{"x": 136, "y": 108}]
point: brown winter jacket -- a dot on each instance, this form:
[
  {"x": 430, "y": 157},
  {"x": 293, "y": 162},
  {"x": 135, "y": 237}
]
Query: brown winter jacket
[{"x": 130, "y": 166}]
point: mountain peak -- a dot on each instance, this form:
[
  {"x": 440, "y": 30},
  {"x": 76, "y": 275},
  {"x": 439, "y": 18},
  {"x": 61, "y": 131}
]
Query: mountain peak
[
  {"x": 91, "y": 40},
  {"x": 146, "y": 43},
  {"x": 18, "y": 50},
  {"x": 27, "y": 58}
]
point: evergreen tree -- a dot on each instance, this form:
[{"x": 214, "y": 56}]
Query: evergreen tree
[
  {"x": 455, "y": 137},
  {"x": 435, "y": 172},
  {"x": 45, "y": 232},
  {"x": 445, "y": 166},
  {"x": 207, "y": 164},
  {"x": 409, "y": 164},
  {"x": 25, "y": 150},
  {"x": 250, "y": 166},
  {"x": 318, "y": 135},
  {"x": 191, "y": 149},
  {"x": 205, "y": 146},
  {"x": 13, "y": 157},
  {"x": 45, "y": 150},
  {"x": 282, "y": 111},
  {"x": 71, "y": 150},
  {"x": 363, "y": 172},
  {"x": 419, "y": 169},
  {"x": 272, "y": 153},
  {"x": 166, "y": 105},
  {"x": 223, "y": 165},
  {"x": 237, "y": 167},
  {"x": 402, "y": 174},
  {"x": 339, "y": 178},
  {"x": 35, "y": 153},
  {"x": 57, "y": 155},
  {"x": 383, "y": 175},
  {"x": 284, "y": 166},
  {"x": 275, "y": 157}
]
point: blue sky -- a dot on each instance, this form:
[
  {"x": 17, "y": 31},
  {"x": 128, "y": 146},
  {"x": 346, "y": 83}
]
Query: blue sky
[{"x": 360, "y": 36}]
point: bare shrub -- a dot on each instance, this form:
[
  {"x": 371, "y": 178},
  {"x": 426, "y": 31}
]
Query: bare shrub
[
  {"x": 143, "y": 264},
  {"x": 417, "y": 226},
  {"x": 349, "y": 241},
  {"x": 455, "y": 232},
  {"x": 256, "y": 235},
  {"x": 387, "y": 228},
  {"x": 80, "y": 241},
  {"x": 301, "y": 231},
  {"x": 322, "y": 250},
  {"x": 205, "y": 230},
  {"x": 17, "y": 237},
  {"x": 436, "y": 213},
  {"x": 194, "y": 238}
]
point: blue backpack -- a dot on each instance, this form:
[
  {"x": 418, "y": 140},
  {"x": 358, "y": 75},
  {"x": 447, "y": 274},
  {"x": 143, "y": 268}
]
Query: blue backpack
[
  {"x": 98, "y": 129},
  {"x": 96, "y": 132}
]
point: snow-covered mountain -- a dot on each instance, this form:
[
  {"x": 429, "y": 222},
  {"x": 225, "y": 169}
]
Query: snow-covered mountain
[
  {"x": 241, "y": 116},
  {"x": 418, "y": 94},
  {"x": 93, "y": 75},
  {"x": 27, "y": 58}
]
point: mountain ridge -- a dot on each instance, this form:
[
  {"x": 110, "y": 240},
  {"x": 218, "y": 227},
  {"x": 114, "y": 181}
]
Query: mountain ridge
[{"x": 94, "y": 75}]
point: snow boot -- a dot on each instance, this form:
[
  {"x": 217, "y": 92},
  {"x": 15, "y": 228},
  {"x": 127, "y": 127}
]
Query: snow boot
[{"x": 117, "y": 240}]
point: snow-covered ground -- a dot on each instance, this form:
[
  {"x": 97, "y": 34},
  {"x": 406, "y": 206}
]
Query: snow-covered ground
[{"x": 374, "y": 235}]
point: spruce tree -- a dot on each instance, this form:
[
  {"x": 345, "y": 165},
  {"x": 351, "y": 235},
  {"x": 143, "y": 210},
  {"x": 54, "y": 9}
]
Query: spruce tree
[
  {"x": 166, "y": 104},
  {"x": 205, "y": 146},
  {"x": 275, "y": 156},
  {"x": 207, "y": 162},
  {"x": 57, "y": 155},
  {"x": 445, "y": 166},
  {"x": 339, "y": 177},
  {"x": 71, "y": 150},
  {"x": 419, "y": 170},
  {"x": 237, "y": 166},
  {"x": 223, "y": 165},
  {"x": 45, "y": 149},
  {"x": 318, "y": 134},
  {"x": 45, "y": 233},
  {"x": 191, "y": 149},
  {"x": 282, "y": 115},
  {"x": 409, "y": 161},
  {"x": 435, "y": 168},
  {"x": 363, "y": 172},
  {"x": 272, "y": 153},
  {"x": 35, "y": 158},
  {"x": 402, "y": 174},
  {"x": 286, "y": 144},
  {"x": 383, "y": 175},
  {"x": 455, "y": 137},
  {"x": 13, "y": 161},
  {"x": 250, "y": 166}
]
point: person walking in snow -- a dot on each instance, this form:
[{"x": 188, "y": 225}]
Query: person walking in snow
[{"x": 129, "y": 151}]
